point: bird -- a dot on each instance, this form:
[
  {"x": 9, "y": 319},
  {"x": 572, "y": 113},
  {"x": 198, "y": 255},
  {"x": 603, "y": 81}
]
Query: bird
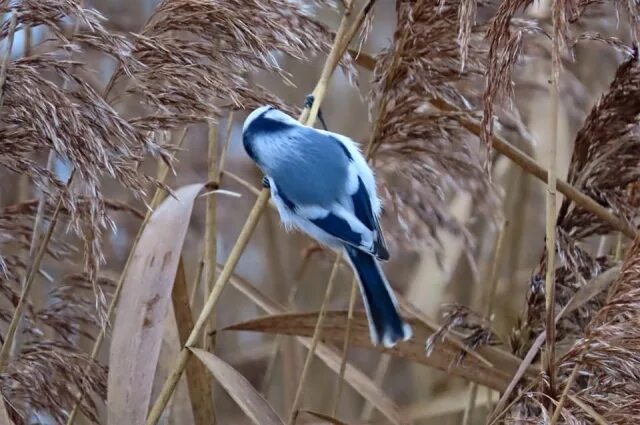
[{"x": 322, "y": 185}]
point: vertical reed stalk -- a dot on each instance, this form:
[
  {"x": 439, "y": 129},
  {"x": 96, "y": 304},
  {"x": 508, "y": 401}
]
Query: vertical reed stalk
[
  {"x": 210, "y": 250},
  {"x": 214, "y": 178},
  {"x": 551, "y": 219}
]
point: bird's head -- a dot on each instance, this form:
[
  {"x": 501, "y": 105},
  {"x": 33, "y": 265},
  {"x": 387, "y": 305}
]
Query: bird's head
[{"x": 267, "y": 119}]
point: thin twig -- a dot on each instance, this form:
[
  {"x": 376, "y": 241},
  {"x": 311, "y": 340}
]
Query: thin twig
[
  {"x": 34, "y": 267},
  {"x": 471, "y": 404},
  {"x": 210, "y": 251},
  {"x": 345, "y": 346},
  {"x": 225, "y": 147},
  {"x": 378, "y": 377},
  {"x": 253, "y": 189},
  {"x": 565, "y": 391},
  {"x": 314, "y": 341},
  {"x": 488, "y": 302}
]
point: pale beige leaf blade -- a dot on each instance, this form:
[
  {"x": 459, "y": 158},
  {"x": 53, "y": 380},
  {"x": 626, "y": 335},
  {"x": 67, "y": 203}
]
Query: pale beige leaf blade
[
  {"x": 240, "y": 390},
  {"x": 356, "y": 378},
  {"x": 197, "y": 377},
  {"x": 444, "y": 356},
  {"x": 140, "y": 318}
]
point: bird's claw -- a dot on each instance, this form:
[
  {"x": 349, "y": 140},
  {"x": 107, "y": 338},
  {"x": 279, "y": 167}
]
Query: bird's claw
[
  {"x": 308, "y": 103},
  {"x": 265, "y": 183}
]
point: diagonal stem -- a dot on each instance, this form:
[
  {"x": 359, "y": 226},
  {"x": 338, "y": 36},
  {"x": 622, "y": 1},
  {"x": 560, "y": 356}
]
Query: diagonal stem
[
  {"x": 40, "y": 212},
  {"x": 31, "y": 277},
  {"x": 314, "y": 341},
  {"x": 524, "y": 161},
  {"x": 308, "y": 117},
  {"x": 345, "y": 346}
]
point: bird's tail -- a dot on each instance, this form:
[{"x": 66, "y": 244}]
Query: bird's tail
[{"x": 385, "y": 324}]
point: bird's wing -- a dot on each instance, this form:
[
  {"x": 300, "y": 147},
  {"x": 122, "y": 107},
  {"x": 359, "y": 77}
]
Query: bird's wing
[
  {"x": 357, "y": 227},
  {"x": 317, "y": 180},
  {"x": 363, "y": 210}
]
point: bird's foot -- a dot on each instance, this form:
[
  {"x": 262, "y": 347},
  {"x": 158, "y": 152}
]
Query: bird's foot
[
  {"x": 265, "y": 182},
  {"x": 308, "y": 103}
]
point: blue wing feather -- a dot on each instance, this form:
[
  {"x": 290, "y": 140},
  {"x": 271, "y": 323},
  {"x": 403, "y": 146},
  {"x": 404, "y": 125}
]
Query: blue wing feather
[
  {"x": 364, "y": 213},
  {"x": 321, "y": 166},
  {"x": 338, "y": 227}
]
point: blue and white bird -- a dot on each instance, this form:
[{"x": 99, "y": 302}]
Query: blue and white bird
[{"x": 322, "y": 185}]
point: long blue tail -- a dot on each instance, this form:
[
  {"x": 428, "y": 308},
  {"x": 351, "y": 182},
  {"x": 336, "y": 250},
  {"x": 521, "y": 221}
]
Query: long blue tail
[{"x": 385, "y": 324}]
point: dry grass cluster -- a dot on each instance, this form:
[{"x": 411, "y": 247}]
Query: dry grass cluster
[{"x": 114, "y": 306}]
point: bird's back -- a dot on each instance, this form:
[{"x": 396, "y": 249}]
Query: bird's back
[{"x": 314, "y": 170}]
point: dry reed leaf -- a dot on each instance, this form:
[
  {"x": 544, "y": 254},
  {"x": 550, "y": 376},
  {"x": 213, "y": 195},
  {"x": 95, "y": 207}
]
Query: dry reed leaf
[
  {"x": 445, "y": 356},
  {"x": 139, "y": 322},
  {"x": 357, "y": 379},
  {"x": 197, "y": 376},
  {"x": 240, "y": 390}
]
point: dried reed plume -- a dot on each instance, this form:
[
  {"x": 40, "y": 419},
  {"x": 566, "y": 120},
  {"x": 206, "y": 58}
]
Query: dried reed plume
[
  {"x": 438, "y": 155},
  {"x": 606, "y": 356},
  {"x": 44, "y": 379},
  {"x": 505, "y": 37},
  {"x": 45, "y": 375},
  {"x": 603, "y": 165},
  {"x": 71, "y": 119},
  {"x": 197, "y": 55}
]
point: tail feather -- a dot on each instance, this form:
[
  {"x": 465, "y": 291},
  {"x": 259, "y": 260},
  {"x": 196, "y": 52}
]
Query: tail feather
[{"x": 385, "y": 323}]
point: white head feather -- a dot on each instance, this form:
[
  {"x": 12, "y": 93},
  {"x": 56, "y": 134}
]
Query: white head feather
[{"x": 271, "y": 113}]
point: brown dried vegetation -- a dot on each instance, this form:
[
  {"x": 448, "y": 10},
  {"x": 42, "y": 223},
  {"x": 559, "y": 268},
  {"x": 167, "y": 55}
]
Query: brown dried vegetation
[{"x": 455, "y": 76}]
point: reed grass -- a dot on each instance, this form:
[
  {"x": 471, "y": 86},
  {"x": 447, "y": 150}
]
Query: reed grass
[{"x": 104, "y": 117}]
